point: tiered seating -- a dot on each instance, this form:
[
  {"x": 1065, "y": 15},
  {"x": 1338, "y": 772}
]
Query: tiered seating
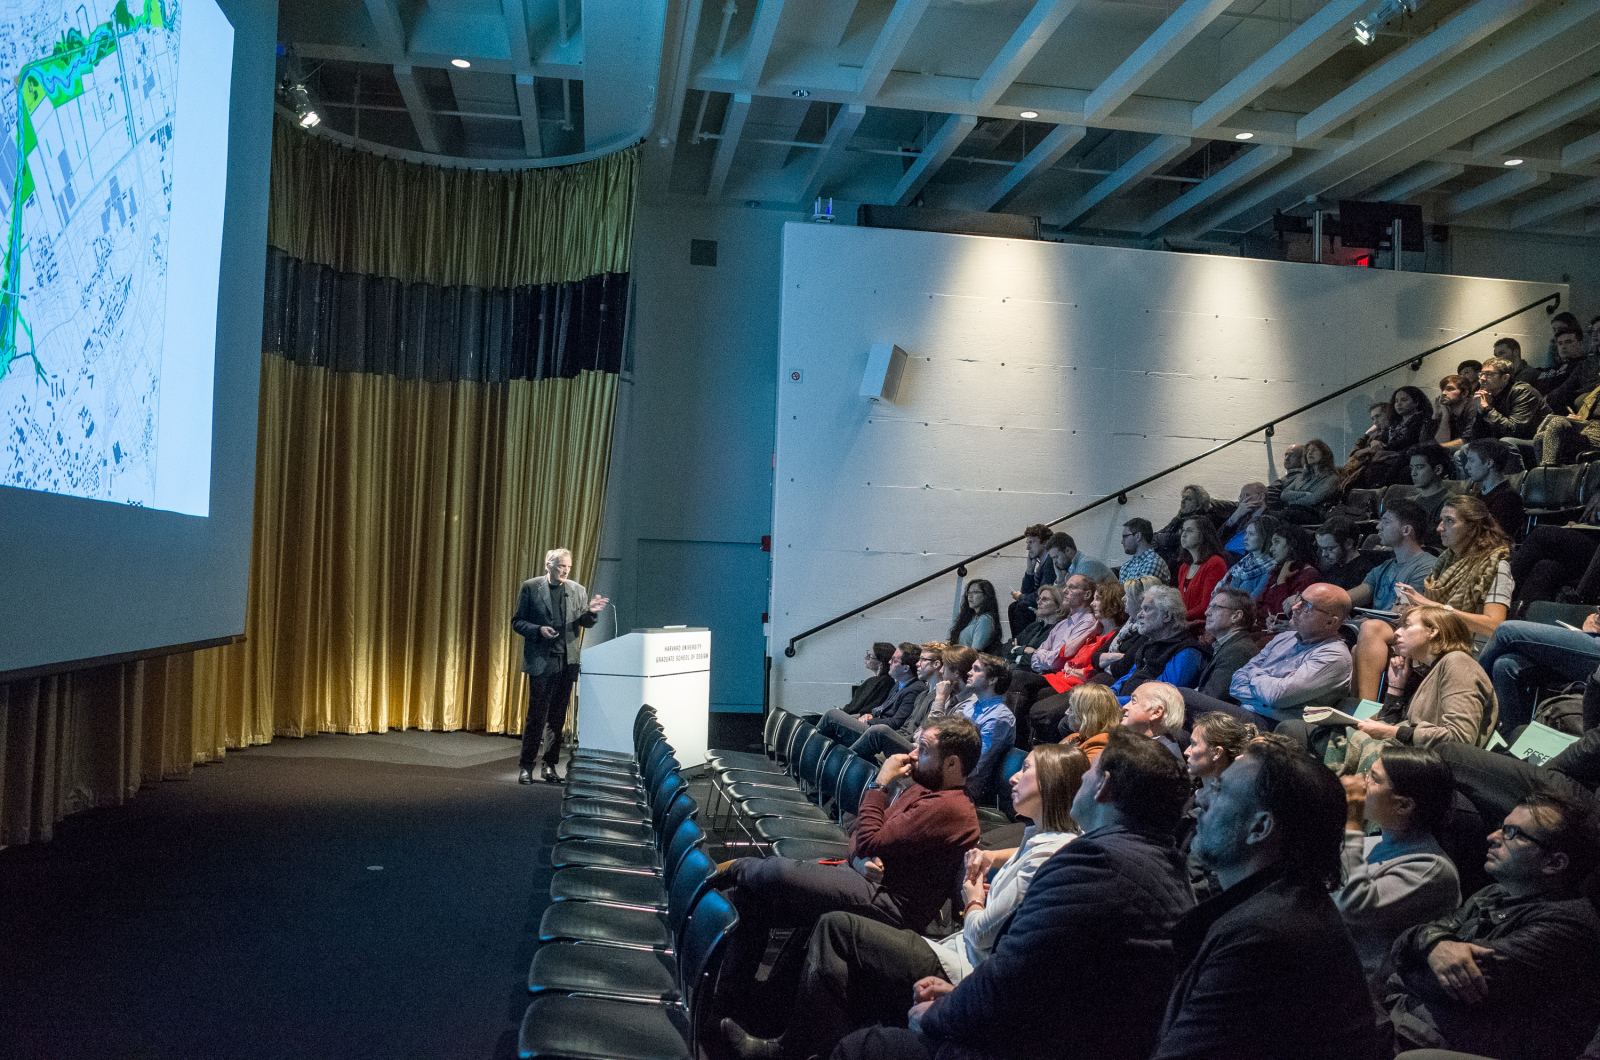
[{"x": 634, "y": 933}]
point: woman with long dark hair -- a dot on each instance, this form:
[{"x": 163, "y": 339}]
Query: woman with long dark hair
[
  {"x": 1294, "y": 551},
  {"x": 1203, "y": 566},
  {"x": 977, "y": 624}
]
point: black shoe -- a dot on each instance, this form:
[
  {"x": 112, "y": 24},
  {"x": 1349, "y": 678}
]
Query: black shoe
[
  {"x": 525, "y": 777},
  {"x": 747, "y": 1046},
  {"x": 550, "y": 775}
]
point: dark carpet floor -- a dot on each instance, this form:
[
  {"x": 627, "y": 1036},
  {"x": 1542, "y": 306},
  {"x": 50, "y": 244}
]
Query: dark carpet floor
[{"x": 285, "y": 904}]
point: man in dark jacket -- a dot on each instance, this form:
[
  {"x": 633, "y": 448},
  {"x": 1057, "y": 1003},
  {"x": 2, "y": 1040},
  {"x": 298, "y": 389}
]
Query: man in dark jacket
[
  {"x": 1515, "y": 972},
  {"x": 1039, "y": 572},
  {"x": 847, "y": 727},
  {"x": 1270, "y": 971},
  {"x": 1083, "y": 967},
  {"x": 1509, "y": 411},
  {"x": 1229, "y": 619},
  {"x": 896, "y": 734}
]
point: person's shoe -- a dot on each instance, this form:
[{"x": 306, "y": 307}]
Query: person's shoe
[
  {"x": 525, "y": 777},
  {"x": 550, "y": 775},
  {"x": 746, "y": 1046}
]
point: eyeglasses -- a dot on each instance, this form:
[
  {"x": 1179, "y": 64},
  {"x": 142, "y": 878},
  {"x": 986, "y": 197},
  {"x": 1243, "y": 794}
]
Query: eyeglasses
[
  {"x": 1512, "y": 833},
  {"x": 1301, "y": 605}
]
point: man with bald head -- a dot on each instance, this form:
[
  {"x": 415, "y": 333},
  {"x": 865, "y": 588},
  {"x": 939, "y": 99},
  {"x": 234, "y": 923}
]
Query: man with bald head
[{"x": 1306, "y": 665}]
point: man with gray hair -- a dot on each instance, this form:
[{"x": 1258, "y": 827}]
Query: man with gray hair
[
  {"x": 552, "y": 612},
  {"x": 1165, "y": 650}
]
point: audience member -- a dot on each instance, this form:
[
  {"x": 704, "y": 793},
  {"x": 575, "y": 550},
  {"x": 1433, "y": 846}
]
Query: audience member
[
  {"x": 1038, "y": 572},
  {"x": 1401, "y": 877},
  {"x": 1092, "y": 714},
  {"x": 1401, "y": 528},
  {"x": 1306, "y": 664},
  {"x": 1202, "y": 568},
  {"x": 1216, "y": 740},
  {"x": 1090, "y": 933},
  {"x": 1110, "y": 613},
  {"x": 1559, "y": 322},
  {"x": 1294, "y": 465},
  {"x": 1077, "y": 626},
  {"x": 1252, "y": 505},
  {"x": 1306, "y": 494},
  {"x": 1469, "y": 372},
  {"x": 1383, "y": 461},
  {"x": 1430, "y": 469},
  {"x": 1573, "y": 427},
  {"x": 951, "y": 693},
  {"x": 860, "y": 972},
  {"x": 1229, "y": 620},
  {"x": 1572, "y": 374},
  {"x": 1138, "y": 544},
  {"x": 1507, "y": 410},
  {"x": 1522, "y": 656},
  {"x": 1514, "y": 973},
  {"x": 1455, "y": 410},
  {"x": 1167, "y": 648},
  {"x": 1472, "y": 577},
  {"x": 870, "y": 693},
  {"x": 1339, "y": 557},
  {"x": 1049, "y": 610},
  {"x": 841, "y": 725},
  {"x": 1488, "y": 464},
  {"x": 1510, "y": 350},
  {"x": 1254, "y": 570},
  {"x": 882, "y": 737},
  {"x": 903, "y": 860},
  {"x": 997, "y": 727},
  {"x": 1067, "y": 560},
  {"x": 1554, "y": 558},
  {"x": 1155, "y": 710},
  {"x": 1192, "y": 501},
  {"x": 1294, "y": 552},
  {"x": 977, "y": 624},
  {"x": 1270, "y": 971}
]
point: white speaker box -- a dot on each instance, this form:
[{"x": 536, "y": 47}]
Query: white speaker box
[{"x": 885, "y": 365}]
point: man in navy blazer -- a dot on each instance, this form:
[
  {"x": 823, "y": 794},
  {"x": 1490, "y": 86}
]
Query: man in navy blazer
[{"x": 552, "y": 612}]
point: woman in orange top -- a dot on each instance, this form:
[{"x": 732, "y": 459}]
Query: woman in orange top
[
  {"x": 1091, "y": 717},
  {"x": 1202, "y": 568},
  {"x": 1110, "y": 607}
]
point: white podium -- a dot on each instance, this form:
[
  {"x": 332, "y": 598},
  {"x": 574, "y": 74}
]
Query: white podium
[{"x": 668, "y": 668}]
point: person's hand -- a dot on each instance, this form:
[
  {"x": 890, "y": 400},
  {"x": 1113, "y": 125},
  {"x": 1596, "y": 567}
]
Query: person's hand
[
  {"x": 1355, "y": 802},
  {"x": 1575, "y": 416},
  {"x": 549, "y": 632},
  {"x": 1110, "y": 657},
  {"x": 1016, "y": 594},
  {"x": 1484, "y": 398},
  {"x": 1592, "y": 624},
  {"x": 1029, "y": 651},
  {"x": 1410, "y": 597},
  {"x": 930, "y": 987},
  {"x": 1377, "y": 729},
  {"x": 942, "y": 691},
  {"x": 1455, "y": 966},
  {"x": 894, "y": 767},
  {"x": 1399, "y": 671},
  {"x": 974, "y": 891},
  {"x": 976, "y": 864},
  {"x": 598, "y": 604},
  {"x": 872, "y": 870}
]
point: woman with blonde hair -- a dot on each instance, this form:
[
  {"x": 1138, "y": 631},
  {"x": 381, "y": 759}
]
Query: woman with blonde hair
[
  {"x": 1093, "y": 711},
  {"x": 1472, "y": 578}
]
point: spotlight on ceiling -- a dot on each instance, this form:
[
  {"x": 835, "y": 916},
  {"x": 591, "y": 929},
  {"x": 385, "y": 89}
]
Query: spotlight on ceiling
[
  {"x": 1244, "y": 136},
  {"x": 1367, "y": 28},
  {"x": 460, "y": 64},
  {"x": 1030, "y": 114},
  {"x": 800, "y": 93},
  {"x": 300, "y": 102},
  {"x": 1513, "y": 161}
]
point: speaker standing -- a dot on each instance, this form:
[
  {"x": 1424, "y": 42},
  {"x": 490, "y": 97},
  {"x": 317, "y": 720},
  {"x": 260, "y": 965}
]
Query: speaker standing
[{"x": 552, "y": 612}]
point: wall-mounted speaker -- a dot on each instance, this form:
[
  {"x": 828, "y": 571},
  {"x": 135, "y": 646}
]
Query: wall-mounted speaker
[{"x": 885, "y": 365}]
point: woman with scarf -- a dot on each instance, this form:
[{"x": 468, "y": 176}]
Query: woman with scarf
[{"x": 1472, "y": 578}]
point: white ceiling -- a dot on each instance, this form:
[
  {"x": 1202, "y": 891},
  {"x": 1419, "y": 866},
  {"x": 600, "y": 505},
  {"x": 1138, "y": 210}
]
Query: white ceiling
[{"x": 1138, "y": 102}]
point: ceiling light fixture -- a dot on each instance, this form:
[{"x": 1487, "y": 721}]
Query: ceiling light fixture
[
  {"x": 1367, "y": 28},
  {"x": 1244, "y": 136},
  {"x": 800, "y": 93},
  {"x": 460, "y": 64},
  {"x": 1513, "y": 161},
  {"x": 300, "y": 102},
  {"x": 1030, "y": 114}
]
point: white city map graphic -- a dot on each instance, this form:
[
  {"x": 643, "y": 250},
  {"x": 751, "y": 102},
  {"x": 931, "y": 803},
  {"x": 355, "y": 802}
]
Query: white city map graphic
[{"x": 88, "y": 94}]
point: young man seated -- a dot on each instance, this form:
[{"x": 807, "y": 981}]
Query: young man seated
[
  {"x": 893, "y": 734},
  {"x": 1339, "y": 558}
]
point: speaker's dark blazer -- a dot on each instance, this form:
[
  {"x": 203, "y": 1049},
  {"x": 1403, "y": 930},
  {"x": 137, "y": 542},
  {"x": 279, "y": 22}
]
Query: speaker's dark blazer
[{"x": 539, "y": 654}]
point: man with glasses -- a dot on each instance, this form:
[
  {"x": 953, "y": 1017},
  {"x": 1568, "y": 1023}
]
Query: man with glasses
[
  {"x": 1229, "y": 620},
  {"x": 1515, "y": 972},
  {"x": 1507, "y": 410},
  {"x": 1307, "y": 664}
]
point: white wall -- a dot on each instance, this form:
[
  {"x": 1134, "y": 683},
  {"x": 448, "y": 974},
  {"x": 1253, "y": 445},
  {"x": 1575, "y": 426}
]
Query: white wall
[{"x": 1044, "y": 375}]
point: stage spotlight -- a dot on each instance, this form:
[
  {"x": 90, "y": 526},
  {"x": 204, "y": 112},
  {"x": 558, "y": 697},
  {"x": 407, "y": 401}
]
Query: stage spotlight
[
  {"x": 300, "y": 101},
  {"x": 1367, "y": 28}
]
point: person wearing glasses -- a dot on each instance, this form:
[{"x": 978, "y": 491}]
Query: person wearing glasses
[
  {"x": 1514, "y": 973},
  {"x": 1507, "y": 410},
  {"x": 1138, "y": 544}
]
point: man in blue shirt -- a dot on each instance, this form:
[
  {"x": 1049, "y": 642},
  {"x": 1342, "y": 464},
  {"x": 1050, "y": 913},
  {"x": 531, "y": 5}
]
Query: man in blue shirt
[
  {"x": 1402, "y": 528},
  {"x": 987, "y": 681}
]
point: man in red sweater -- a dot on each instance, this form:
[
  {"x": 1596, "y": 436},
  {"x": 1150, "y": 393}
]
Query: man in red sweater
[{"x": 906, "y": 858}]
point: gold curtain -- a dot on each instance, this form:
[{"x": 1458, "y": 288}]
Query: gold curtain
[{"x": 358, "y": 212}]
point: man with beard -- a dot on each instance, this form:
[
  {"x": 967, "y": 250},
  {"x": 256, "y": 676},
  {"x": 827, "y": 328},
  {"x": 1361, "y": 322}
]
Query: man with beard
[{"x": 905, "y": 857}]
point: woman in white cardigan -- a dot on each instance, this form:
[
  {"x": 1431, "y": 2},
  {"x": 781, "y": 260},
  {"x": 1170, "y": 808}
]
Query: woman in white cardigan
[{"x": 859, "y": 971}]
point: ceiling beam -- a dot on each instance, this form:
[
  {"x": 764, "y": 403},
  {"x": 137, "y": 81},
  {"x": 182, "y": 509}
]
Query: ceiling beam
[
  {"x": 1306, "y": 47},
  {"x": 1492, "y": 191},
  {"x": 1182, "y": 26},
  {"x": 385, "y": 15},
  {"x": 417, "y": 104},
  {"x": 1553, "y": 206},
  {"x": 516, "y": 20},
  {"x": 1024, "y": 44},
  {"x": 1156, "y": 153},
  {"x": 891, "y": 42},
  {"x": 941, "y": 145},
  {"x": 1415, "y": 181},
  {"x": 732, "y": 128},
  {"x": 832, "y": 149},
  {"x": 528, "y": 108},
  {"x": 1534, "y": 122},
  {"x": 676, "y": 79},
  {"x": 1582, "y": 152},
  {"x": 1045, "y": 154},
  {"x": 759, "y": 44},
  {"x": 1412, "y": 62},
  {"x": 1247, "y": 166}
]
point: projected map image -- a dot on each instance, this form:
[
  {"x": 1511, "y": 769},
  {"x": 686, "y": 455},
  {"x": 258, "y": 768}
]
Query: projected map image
[{"x": 88, "y": 94}]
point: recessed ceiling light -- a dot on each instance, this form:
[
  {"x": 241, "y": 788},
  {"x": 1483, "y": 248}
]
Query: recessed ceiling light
[
  {"x": 1244, "y": 136},
  {"x": 1513, "y": 161},
  {"x": 1030, "y": 114},
  {"x": 800, "y": 93},
  {"x": 460, "y": 63}
]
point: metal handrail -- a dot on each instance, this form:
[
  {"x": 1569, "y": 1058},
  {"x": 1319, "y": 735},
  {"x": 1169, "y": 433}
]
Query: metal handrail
[{"x": 1551, "y": 302}]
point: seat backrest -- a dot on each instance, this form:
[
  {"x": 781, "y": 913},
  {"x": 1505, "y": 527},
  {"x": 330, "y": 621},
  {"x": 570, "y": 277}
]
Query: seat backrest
[
  {"x": 1590, "y": 479},
  {"x": 688, "y": 879},
  {"x": 1549, "y": 612},
  {"x": 657, "y": 764},
  {"x": 1364, "y": 501},
  {"x": 809, "y": 760},
  {"x": 682, "y": 808},
  {"x": 701, "y": 945},
  {"x": 666, "y": 791},
  {"x": 653, "y": 739},
  {"x": 834, "y": 759},
  {"x": 769, "y": 731},
  {"x": 646, "y": 715},
  {"x": 688, "y": 837},
  {"x": 1013, "y": 765},
  {"x": 788, "y": 728},
  {"x": 1553, "y": 487},
  {"x": 1389, "y": 494},
  {"x": 857, "y": 775}
]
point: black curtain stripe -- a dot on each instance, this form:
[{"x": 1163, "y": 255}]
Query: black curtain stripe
[{"x": 352, "y": 322}]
